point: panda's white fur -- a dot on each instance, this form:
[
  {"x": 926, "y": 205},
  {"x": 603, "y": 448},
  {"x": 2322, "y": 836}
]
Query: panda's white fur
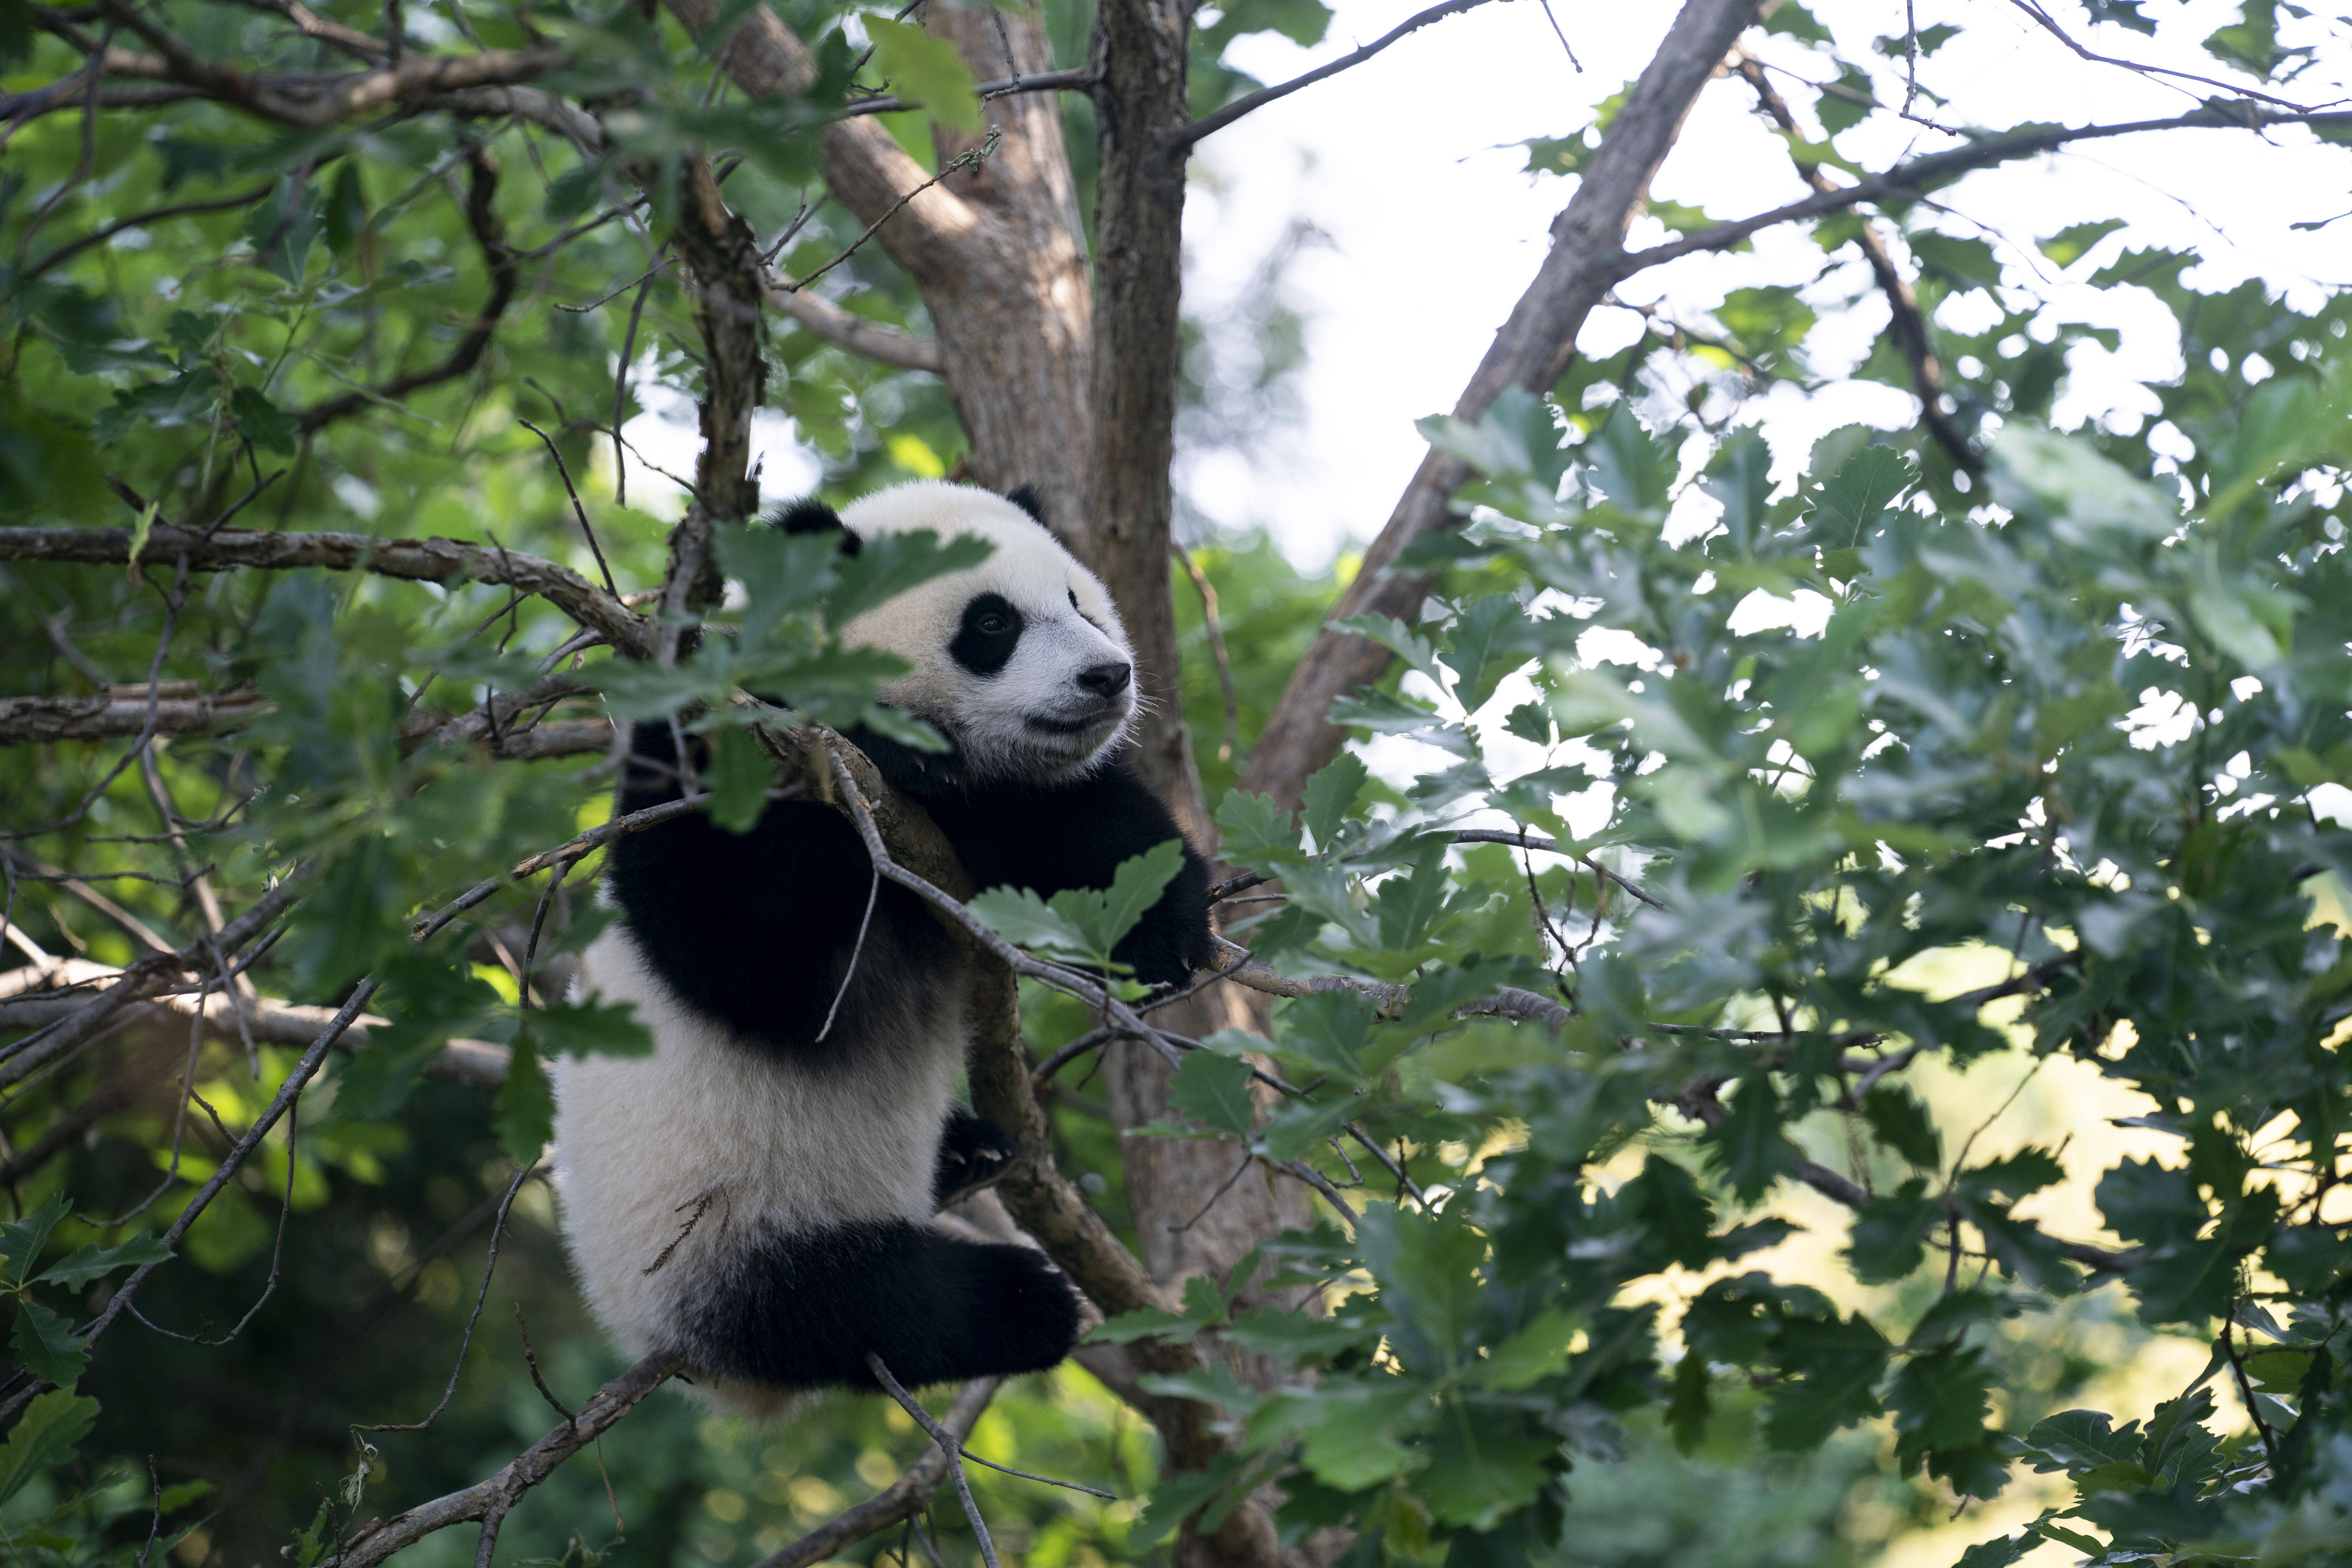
[
  {"x": 1071, "y": 625},
  {"x": 707, "y": 1136},
  {"x": 721, "y": 1193}
]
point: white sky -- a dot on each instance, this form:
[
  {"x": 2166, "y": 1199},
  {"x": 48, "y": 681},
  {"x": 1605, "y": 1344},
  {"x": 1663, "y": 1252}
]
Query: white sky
[{"x": 1408, "y": 165}]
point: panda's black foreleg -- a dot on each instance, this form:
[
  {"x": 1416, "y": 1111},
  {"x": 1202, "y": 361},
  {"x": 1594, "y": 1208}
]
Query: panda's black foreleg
[
  {"x": 972, "y": 1153},
  {"x": 805, "y": 1311}
]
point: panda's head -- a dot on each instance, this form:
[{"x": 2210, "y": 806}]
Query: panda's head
[{"x": 1020, "y": 661}]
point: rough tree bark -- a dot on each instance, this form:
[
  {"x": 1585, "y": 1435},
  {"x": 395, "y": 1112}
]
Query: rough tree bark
[
  {"x": 998, "y": 251},
  {"x": 1530, "y": 351}
]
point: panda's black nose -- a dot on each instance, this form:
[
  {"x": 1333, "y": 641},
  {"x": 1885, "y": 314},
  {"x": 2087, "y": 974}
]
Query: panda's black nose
[{"x": 1105, "y": 679}]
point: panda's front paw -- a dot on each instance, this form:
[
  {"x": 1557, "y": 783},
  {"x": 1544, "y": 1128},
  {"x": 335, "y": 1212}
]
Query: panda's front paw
[{"x": 972, "y": 1154}]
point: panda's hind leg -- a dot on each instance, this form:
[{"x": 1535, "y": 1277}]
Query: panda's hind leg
[{"x": 804, "y": 1311}]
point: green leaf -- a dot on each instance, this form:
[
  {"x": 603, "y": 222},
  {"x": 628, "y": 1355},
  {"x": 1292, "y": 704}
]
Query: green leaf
[
  {"x": 84, "y": 1263},
  {"x": 1483, "y": 1464},
  {"x": 1531, "y": 1355},
  {"x": 523, "y": 1113},
  {"x": 2081, "y": 1440},
  {"x": 2070, "y": 244},
  {"x": 1428, "y": 1266},
  {"x": 2187, "y": 1282},
  {"x": 1297, "y": 1126},
  {"x": 1144, "y": 1323},
  {"x": 1962, "y": 263},
  {"x": 1674, "y": 1213},
  {"x": 1890, "y": 1234},
  {"x": 1850, "y": 505},
  {"x": 1269, "y": 1331},
  {"x": 1998, "y": 1553},
  {"x": 263, "y": 423},
  {"x": 21, "y": 1240},
  {"x": 737, "y": 779},
  {"x": 47, "y": 1346},
  {"x": 1358, "y": 1445},
  {"x": 1135, "y": 887},
  {"x": 1329, "y": 795},
  {"x": 1688, "y": 1410},
  {"x": 1839, "y": 1361},
  {"x": 1215, "y": 1090},
  {"x": 1487, "y": 642},
  {"x": 2013, "y": 1176},
  {"x": 888, "y": 564},
  {"x": 1326, "y": 1034},
  {"x": 1902, "y": 1124},
  {"x": 1752, "y": 1146},
  {"x": 1255, "y": 830},
  {"x": 925, "y": 70},
  {"x": 44, "y": 1435},
  {"x": 588, "y": 1029},
  {"x": 1400, "y": 639},
  {"x": 1025, "y": 919},
  {"x": 1940, "y": 1400}
]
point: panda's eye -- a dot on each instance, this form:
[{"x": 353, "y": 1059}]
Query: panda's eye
[{"x": 991, "y": 625}]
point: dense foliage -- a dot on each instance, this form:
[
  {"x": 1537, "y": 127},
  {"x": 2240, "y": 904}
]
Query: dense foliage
[{"x": 1796, "y": 796}]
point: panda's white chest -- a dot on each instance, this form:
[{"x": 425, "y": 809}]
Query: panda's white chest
[{"x": 735, "y": 1139}]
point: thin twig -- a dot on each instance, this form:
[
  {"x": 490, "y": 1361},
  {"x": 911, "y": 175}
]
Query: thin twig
[
  {"x": 2246, "y": 1388},
  {"x": 288, "y": 1093},
  {"x": 873, "y": 890},
  {"x": 948, "y": 1445},
  {"x": 490, "y": 1267},
  {"x": 970, "y": 159},
  {"x": 1207, "y": 592},
  {"x": 578, "y": 511},
  {"x": 1208, "y": 124}
]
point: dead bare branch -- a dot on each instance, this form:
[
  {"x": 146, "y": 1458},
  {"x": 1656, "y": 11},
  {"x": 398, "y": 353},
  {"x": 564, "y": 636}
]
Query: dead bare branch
[
  {"x": 532, "y": 1466},
  {"x": 415, "y": 559}
]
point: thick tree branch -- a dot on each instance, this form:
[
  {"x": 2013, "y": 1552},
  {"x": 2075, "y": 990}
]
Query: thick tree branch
[
  {"x": 874, "y": 340},
  {"x": 415, "y": 559},
  {"x": 124, "y": 711},
  {"x": 314, "y": 99},
  {"x": 1908, "y": 181},
  {"x": 143, "y": 979},
  {"x": 998, "y": 251},
  {"x": 479, "y": 1064},
  {"x": 1530, "y": 351}
]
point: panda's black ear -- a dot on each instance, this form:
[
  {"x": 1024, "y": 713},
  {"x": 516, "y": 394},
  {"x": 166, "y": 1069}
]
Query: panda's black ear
[
  {"x": 812, "y": 516},
  {"x": 1027, "y": 499}
]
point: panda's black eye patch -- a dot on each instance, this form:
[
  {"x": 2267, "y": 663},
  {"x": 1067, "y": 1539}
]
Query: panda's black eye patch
[{"x": 990, "y": 628}]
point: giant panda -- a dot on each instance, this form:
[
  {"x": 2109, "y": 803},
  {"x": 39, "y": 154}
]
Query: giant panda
[{"x": 758, "y": 1194}]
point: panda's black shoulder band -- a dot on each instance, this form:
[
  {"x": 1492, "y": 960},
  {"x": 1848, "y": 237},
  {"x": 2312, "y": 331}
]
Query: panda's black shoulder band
[
  {"x": 1027, "y": 499},
  {"x": 812, "y": 516}
]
